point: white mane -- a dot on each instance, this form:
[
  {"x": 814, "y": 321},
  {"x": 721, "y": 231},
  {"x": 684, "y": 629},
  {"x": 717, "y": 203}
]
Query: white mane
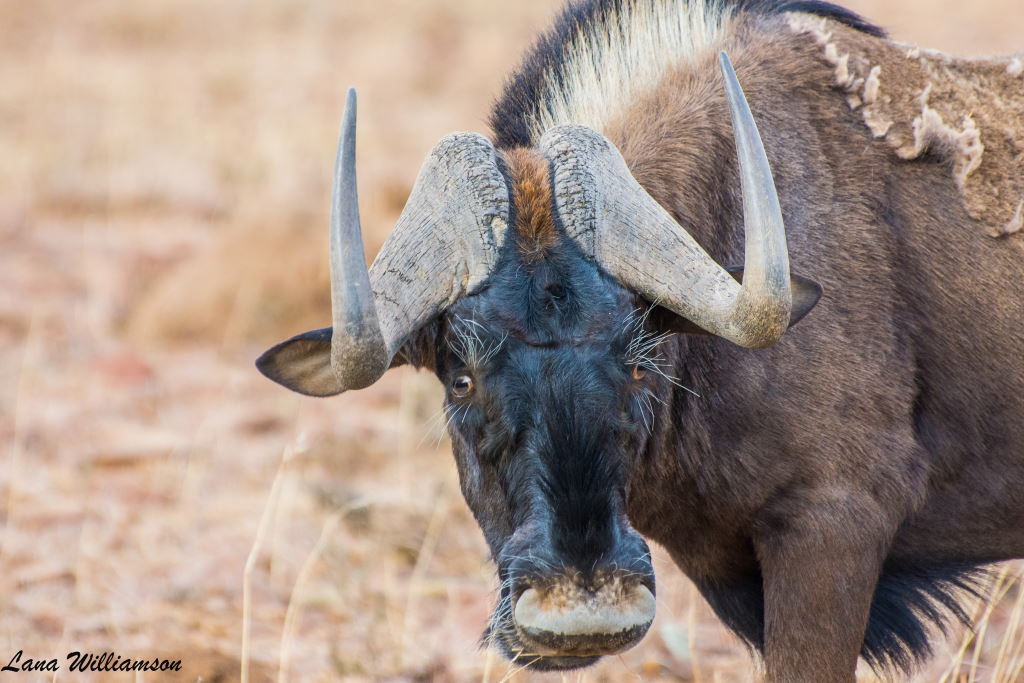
[{"x": 626, "y": 55}]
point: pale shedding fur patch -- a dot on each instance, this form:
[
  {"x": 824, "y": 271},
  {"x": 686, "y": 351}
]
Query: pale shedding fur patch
[
  {"x": 968, "y": 112},
  {"x": 627, "y": 57},
  {"x": 1015, "y": 224},
  {"x": 872, "y": 84},
  {"x": 931, "y": 133}
]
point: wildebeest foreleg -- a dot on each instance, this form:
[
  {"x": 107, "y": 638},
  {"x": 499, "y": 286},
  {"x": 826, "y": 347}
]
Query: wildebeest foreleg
[{"x": 819, "y": 582}]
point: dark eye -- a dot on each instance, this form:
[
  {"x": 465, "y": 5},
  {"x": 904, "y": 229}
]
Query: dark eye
[
  {"x": 462, "y": 386},
  {"x": 639, "y": 372}
]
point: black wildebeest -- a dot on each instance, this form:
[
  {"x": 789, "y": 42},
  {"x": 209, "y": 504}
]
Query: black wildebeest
[{"x": 829, "y": 489}]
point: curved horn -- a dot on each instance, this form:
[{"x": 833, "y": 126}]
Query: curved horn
[
  {"x": 629, "y": 234},
  {"x": 444, "y": 246},
  {"x": 358, "y": 352},
  {"x": 765, "y": 299}
]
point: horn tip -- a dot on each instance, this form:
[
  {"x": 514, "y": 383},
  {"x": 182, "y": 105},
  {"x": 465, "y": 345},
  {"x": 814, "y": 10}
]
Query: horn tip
[
  {"x": 346, "y": 139},
  {"x": 349, "y": 112},
  {"x": 348, "y": 116},
  {"x": 726, "y": 65}
]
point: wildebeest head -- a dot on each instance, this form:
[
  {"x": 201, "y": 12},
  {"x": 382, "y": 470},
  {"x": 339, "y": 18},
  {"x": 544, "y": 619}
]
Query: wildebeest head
[{"x": 551, "y": 365}]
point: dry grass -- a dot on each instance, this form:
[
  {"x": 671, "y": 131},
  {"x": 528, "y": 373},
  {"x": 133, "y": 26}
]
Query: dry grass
[{"x": 163, "y": 198}]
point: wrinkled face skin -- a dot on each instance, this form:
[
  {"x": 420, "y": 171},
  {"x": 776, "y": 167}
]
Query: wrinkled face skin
[{"x": 551, "y": 379}]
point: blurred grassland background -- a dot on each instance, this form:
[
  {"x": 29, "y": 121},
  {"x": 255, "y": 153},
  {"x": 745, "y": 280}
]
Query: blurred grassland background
[{"x": 164, "y": 171}]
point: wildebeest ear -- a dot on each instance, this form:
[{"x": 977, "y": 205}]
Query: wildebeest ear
[
  {"x": 806, "y": 293},
  {"x": 303, "y": 363}
]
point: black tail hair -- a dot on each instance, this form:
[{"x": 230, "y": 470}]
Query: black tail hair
[{"x": 911, "y": 599}]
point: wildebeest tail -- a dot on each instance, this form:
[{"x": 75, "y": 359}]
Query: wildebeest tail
[{"x": 910, "y": 601}]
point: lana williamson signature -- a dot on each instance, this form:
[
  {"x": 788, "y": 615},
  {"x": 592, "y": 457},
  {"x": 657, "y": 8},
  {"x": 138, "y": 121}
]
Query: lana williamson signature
[{"x": 88, "y": 661}]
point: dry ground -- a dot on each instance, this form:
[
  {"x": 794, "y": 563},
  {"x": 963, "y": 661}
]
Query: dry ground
[{"x": 163, "y": 196}]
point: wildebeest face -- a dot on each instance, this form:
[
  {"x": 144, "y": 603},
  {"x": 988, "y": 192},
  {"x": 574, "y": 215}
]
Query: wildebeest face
[
  {"x": 551, "y": 365},
  {"x": 551, "y": 384}
]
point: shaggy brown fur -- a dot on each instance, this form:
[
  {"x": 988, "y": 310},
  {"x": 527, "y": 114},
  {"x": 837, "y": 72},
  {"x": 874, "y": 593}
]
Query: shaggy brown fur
[
  {"x": 969, "y": 113},
  {"x": 531, "y": 193}
]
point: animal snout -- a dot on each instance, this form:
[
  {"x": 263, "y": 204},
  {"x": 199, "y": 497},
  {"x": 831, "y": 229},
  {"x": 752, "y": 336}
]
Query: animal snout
[{"x": 570, "y": 617}]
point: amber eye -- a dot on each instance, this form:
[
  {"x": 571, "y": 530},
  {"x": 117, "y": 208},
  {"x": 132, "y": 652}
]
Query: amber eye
[
  {"x": 462, "y": 386},
  {"x": 639, "y": 372}
]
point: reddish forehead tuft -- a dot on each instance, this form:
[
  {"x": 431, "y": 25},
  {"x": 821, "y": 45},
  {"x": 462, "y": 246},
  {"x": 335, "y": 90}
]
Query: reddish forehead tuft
[{"x": 531, "y": 194}]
